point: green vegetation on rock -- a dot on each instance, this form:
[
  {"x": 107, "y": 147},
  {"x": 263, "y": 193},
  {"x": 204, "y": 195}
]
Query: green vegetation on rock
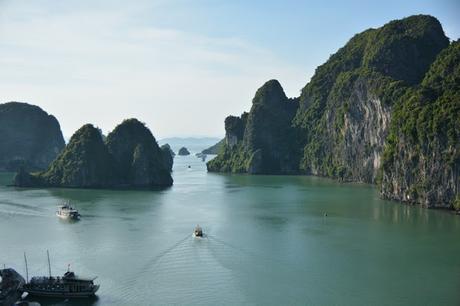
[
  {"x": 456, "y": 204},
  {"x": 261, "y": 141},
  {"x": 345, "y": 109},
  {"x": 84, "y": 162},
  {"x": 422, "y": 155},
  {"x": 129, "y": 158},
  {"x": 29, "y": 137},
  {"x": 138, "y": 159},
  {"x": 397, "y": 75},
  {"x": 215, "y": 149}
]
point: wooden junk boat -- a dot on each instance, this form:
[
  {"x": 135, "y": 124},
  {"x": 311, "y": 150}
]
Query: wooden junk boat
[{"x": 67, "y": 286}]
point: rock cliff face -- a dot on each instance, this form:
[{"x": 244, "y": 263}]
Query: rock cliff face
[
  {"x": 346, "y": 108},
  {"x": 29, "y": 137},
  {"x": 261, "y": 141},
  {"x": 168, "y": 155},
  {"x": 422, "y": 157},
  {"x": 138, "y": 158},
  {"x": 342, "y": 123},
  {"x": 129, "y": 158}
]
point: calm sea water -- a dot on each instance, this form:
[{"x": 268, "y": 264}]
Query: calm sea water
[{"x": 268, "y": 242}]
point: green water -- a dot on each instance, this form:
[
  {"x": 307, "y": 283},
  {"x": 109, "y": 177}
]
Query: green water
[{"x": 268, "y": 243}]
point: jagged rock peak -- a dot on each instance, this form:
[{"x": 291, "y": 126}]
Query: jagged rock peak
[
  {"x": 270, "y": 93},
  {"x": 86, "y": 132},
  {"x": 138, "y": 158},
  {"x": 404, "y": 49},
  {"x": 130, "y": 157}
]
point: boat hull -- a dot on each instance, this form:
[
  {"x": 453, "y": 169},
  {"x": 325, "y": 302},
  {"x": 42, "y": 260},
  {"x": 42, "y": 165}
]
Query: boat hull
[
  {"x": 62, "y": 294},
  {"x": 68, "y": 217}
]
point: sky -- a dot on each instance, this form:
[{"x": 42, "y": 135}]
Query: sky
[{"x": 179, "y": 66}]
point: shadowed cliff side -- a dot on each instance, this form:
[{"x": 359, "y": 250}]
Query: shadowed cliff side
[
  {"x": 344, "y": 115},
  {"x": 345, "y": 109},
  {"x": 138, "y": 159},
  {"x": 168, "y": 155},
  {"x": 29, "y": 137},
  {"x": 261, "y": 141},
  {"x": 129, "y": 158},
  {"x": 422, "y": 157},
  {"x": 84, "y": 162}
]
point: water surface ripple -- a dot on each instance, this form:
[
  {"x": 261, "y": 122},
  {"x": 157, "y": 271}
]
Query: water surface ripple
[{"x": 268, "y": 242}]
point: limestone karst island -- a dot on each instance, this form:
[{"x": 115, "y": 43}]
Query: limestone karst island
[{"x": 228, "y": 153}]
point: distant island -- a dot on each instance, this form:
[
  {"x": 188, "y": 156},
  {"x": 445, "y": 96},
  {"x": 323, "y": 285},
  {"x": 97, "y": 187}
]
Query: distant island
[
  {"x": 384, "y": 109},
  {"x": 29, "y": 137},
  {"x": 192, "y": 143},
  {"x": 183, "y": 152},
  {"x": 214, "y": 149},
  {"x": 130, "y": 157}
]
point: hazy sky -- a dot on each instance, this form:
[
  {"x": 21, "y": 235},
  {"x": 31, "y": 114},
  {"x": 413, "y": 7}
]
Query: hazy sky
[{"x": 179, "y": 66}]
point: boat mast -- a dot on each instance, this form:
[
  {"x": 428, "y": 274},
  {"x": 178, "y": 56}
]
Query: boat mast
[
  {"x": 27, "y": 269},
  {"x": 49, "y": 264}
]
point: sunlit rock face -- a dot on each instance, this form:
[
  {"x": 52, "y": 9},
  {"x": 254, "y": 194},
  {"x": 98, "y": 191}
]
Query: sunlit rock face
[
  {"x": 346, "y": 122},
  {"x": 422, "y": 157}
]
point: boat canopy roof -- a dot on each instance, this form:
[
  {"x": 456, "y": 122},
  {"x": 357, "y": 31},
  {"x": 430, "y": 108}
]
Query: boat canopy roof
[
  {"x": 66, "y": 207},
  {"x": 54, "y": 279},
  {"x": 71, "y": 275}
]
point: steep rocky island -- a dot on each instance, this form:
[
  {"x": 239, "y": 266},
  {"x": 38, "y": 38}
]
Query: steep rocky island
[
  {"x": 29, "y": 137},
  {"x": 130, "y": 157},
  {"x": 183, "y": 152},
  {"x": 384, "y": 109},
  {"x": 168, "y": 155},
  {"x": 260, "y": 141}
]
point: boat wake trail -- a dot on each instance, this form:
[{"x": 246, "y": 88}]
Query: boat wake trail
[
  {"x": 10, "y": 209},
  {"x": 186, "y": 272},
  {"x": 152, "y": 262},
  {"x": 231, "y": 246},
  {"x": 132, "y": 289}
]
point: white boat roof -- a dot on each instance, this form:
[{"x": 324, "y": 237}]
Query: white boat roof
[{"x": 66, "y": 207}]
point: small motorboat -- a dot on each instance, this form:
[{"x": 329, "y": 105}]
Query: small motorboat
[
  {"x": 66, "y": 211},
  {"x": 198, "y": 232}
]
